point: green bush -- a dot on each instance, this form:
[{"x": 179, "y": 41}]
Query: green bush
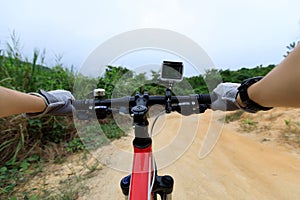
[{"x": 21, "y": 138}]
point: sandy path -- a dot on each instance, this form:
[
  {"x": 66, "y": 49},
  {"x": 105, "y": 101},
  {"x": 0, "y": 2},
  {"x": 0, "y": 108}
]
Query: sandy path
[{"x": 237, "y": 168}]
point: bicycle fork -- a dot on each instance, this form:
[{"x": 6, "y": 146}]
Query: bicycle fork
[
  {"x": 163, "y": 186},
  {"x": 144, "y": 183}
]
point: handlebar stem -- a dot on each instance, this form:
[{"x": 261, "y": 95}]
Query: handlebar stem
[{"x": 139, "y": 112}]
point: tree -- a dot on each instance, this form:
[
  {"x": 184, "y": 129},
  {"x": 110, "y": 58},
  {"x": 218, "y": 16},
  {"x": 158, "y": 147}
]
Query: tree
[
  {"x": 113, "y": 75},
  {"x": 212, "y": 78}
]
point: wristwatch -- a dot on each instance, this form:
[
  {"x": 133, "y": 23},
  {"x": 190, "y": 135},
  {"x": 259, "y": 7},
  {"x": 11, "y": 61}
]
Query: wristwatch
[{"x": 250, "y": 106}]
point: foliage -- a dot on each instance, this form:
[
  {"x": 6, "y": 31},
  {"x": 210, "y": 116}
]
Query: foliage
[
  {"x": 83, "y": 86},
  {"x": 75, "y": 145},
  {"x": 291, "y": 131},
  {"x": 115, "y": 81},
  {"x": 241, "y": 74},
  {"x": 112, "y": 130},
  {"x": 248, "y": 125},
  {"x": 212, "y": 78},
  {"x": 21, "y": 138},
  {"x": 233, "y": 116},
  {"x": 198, "y": 84},
  {"x": 119, "y": 81},
  {"x": 14, "y": 173},
  {"x": 20, "y": 74}
]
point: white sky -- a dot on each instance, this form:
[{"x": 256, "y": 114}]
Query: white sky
[{"x": 234, "y": 33}]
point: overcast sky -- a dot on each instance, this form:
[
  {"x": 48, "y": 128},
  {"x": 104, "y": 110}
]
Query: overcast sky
[{"x": 234, "y": 33}]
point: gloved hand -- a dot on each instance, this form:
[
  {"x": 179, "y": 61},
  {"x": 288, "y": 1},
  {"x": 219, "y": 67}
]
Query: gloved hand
[
  {"x": 58, "y": 103},
  {"x": 224, "y": 97}
]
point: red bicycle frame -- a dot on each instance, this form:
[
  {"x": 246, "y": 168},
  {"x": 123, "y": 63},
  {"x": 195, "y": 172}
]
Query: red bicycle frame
[
  {"x": 143, "y": 182},
  {"x": 142, "y": 173}
]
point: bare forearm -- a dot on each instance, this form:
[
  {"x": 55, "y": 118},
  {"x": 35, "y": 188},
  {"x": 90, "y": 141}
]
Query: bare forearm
[
  {"x": 280, "y": 87},
  {"x": 14, "y": 102}
]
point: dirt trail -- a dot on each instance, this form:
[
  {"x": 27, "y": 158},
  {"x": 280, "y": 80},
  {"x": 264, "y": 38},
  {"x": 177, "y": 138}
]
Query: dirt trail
[{"x": 237, "y": 168}]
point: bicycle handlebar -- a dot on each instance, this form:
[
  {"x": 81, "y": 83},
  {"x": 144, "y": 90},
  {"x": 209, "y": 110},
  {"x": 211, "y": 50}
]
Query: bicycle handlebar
[
  {"x": 86, "y": 103},
  {"x": 186, "y": 105}
]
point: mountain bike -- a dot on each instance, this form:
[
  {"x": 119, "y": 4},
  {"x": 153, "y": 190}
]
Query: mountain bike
[{"x": 144, "y": 183}]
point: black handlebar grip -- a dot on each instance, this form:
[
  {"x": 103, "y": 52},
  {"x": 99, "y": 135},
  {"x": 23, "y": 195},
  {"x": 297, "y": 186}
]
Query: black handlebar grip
[
  {"x": 204, "y": 99},
  {"x": 83, "y": 104}
]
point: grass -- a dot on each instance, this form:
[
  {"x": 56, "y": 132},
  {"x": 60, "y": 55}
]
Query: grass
[
  {"x": 60, "y": 180},
  {"x": 72, "y": 187},
  {"x": 248, "y": 125},
  {"x": 291, "y": 132},
  {"x": 274, "y": 124},
  {"x": 22, "y": 140},
  {"x": 16, "y": 173},
  {"x": 234, "y": 116}
]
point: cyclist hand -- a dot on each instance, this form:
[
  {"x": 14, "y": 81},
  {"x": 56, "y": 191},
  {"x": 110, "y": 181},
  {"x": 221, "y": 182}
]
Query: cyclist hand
[
  {"x": 224, "y": 97},
  {"x": 58, "y": 103}
]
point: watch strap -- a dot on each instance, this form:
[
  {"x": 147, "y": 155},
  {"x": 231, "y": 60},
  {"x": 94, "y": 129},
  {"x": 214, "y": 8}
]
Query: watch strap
[{"x": 251, "y": 106}]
